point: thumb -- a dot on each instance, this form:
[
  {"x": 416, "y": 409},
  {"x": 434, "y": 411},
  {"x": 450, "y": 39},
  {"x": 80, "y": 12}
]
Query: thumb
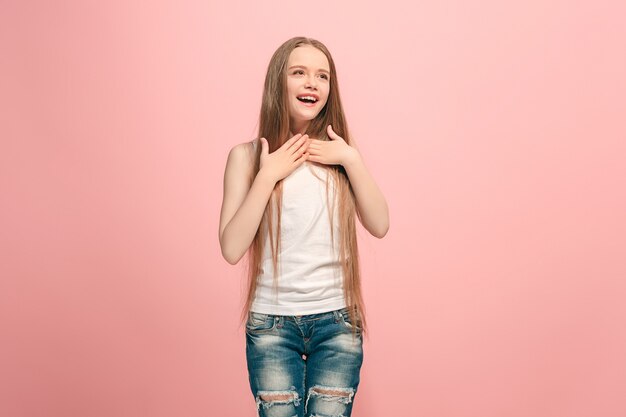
[
  {"x": 264, "y": 146},
  {"x": 331, "y": 132}
]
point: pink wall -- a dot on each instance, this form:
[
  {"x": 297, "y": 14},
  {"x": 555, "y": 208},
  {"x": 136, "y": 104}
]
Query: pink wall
[{"x": 496, "y": 132}]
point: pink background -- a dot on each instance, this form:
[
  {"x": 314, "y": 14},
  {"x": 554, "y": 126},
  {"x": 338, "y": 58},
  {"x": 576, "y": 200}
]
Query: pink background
[{"x": 495, "y": 130}]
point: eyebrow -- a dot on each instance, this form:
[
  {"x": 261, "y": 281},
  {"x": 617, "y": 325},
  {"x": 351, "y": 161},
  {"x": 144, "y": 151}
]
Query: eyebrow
[{"x": 302, "y": 66}]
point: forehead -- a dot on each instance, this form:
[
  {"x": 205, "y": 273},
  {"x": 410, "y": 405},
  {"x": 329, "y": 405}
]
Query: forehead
[{"x": 310, "y": 57}]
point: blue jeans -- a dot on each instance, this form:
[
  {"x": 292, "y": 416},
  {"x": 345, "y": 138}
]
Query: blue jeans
[{"x": 303, "y": 365}]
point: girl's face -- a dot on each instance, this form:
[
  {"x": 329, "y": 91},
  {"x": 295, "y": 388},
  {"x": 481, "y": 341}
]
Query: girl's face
[{"x": 308, "y": 84}]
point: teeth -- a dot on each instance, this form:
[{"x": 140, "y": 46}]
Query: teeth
[{"x": 309, "y": 98}]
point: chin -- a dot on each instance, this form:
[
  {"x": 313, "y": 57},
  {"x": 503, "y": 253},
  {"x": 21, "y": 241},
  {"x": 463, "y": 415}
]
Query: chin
[{"x": 306, "y": 117}]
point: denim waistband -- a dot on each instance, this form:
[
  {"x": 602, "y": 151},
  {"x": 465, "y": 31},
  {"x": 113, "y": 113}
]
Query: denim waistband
[{"x": 316, "y": 316}]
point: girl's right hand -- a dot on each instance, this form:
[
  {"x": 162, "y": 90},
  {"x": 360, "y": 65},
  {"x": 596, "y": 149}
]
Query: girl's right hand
[{"x": 284, "y": 160}]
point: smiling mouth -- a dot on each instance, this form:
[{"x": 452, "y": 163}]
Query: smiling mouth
[{"x": 309, "y": 102}]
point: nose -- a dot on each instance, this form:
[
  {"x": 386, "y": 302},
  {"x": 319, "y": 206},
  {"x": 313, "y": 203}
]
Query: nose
[{"x": 311, "y": 82}]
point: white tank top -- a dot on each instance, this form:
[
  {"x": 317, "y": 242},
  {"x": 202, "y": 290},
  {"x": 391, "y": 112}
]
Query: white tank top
[{"x": 310, "y": 278}]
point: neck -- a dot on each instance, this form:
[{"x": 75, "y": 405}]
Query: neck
[{"x": 298, "y": 127}]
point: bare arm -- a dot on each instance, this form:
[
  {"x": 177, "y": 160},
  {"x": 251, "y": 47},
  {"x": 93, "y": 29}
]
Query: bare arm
[
  {"x": 371, "y": 205},
  {"x": 244, "y": 203}
]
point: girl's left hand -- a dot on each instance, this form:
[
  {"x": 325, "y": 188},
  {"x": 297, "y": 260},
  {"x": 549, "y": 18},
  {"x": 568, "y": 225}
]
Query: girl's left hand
[{"x": 331, "y": 152}]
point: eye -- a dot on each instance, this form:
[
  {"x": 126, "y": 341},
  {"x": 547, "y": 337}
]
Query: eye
[
  {"x": 298, "y": 72},
  {"x": 325, "y": 76}
]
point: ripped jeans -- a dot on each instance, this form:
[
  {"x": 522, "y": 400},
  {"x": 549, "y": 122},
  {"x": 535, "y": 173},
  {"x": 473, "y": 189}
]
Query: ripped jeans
[{"x": 303, "y": 366}]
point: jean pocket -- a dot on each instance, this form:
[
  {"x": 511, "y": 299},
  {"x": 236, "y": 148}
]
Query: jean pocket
[
  {"x": 260, "y": 323},
  {"x": 348, "y": 322}
]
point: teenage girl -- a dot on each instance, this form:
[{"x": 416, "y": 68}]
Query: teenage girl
[{"x": 290, "y": 200}]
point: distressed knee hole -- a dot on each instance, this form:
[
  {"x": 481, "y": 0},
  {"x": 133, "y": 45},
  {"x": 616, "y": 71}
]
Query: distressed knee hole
[
  {"x": 333, "y": 394},
  {"x": 267, "y": 399},
  {"x": 276, "y": 398}
]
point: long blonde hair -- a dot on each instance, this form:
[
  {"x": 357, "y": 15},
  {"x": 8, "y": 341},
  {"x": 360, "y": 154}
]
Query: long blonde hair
[{"x": 274, "y": 126}]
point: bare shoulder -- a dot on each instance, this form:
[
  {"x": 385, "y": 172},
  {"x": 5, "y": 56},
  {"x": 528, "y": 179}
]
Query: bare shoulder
[
  {"x": 242, "y": 155},
  {"x": 240, "y": 164},
  {"x": 353, "y": 142}
]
